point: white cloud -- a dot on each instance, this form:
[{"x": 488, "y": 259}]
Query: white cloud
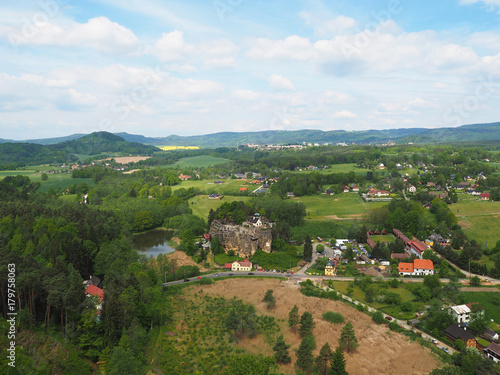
[
  {"x": 344, "y": 114},
  {"x": 246, "y": 94},
  {"x": 171, "y": 47},
  {"x": 99, "y": 33},
  {"x": 292, "y": 47},
  {"x": 490, "y": 4},
  {"x": 279, "y": 82},
  {"x": 340, "y": 24}
]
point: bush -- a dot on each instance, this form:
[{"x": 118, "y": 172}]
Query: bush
[
  {"x": 406, "y": 306},
  {"x": 378, "y": 317},
  {"x": 393, "y": 326},
  {"x": 333, "y": 317},
  {"x": 206, "y": 281}
]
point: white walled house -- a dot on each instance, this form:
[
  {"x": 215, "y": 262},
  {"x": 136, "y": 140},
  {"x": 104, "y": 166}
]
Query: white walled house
[{"x": 461, "y": 313}]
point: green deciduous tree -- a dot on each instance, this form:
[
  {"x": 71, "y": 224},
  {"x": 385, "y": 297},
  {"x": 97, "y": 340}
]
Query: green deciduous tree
[
  {"x": 308, "y": 248},
  {"x": 348, "y": 340}
]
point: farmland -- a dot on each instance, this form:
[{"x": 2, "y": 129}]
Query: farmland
[{"x": 208, "y": 186}]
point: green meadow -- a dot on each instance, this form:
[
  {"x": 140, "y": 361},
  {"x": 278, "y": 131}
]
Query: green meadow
[
  {"x": 479, "y": 219},
  {"x": 338, "y": 206},
  {"x": 208, "y": 186},
  {"x": 201, "y": 205},
  {"x": 202, "y": 161}
]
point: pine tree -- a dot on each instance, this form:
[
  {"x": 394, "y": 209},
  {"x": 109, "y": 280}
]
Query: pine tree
[
  {"x": 323, "y": 359},
  {"x": 348, "y": 340},
  {"x": 269, "y": 299},
  {"x": 293, "y": 318},
  {"x": 306, "y": 324},
  {"x": 305, "y": 358},
  {"x": 308, "y": 249},
  {"x": 281, "y": 351},
  {"x": 337, "y": 365}
]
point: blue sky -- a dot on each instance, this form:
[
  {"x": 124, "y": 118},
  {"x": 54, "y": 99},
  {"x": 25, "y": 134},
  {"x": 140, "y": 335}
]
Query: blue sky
[{"x": 194, "y": 67}]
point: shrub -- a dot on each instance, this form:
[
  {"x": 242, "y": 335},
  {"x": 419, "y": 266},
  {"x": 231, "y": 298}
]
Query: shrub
[
  {"x": 206, "y": 281},
  {"x": 333, "y": 317},
  {"x": 378, "y": 317}
]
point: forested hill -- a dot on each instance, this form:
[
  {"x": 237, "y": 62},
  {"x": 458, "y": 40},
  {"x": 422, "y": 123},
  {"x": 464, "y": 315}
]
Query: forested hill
[
  {"x": 107, "y": 142},
  {"x": 466, "y": 133},
  {"x": 67, "y": 152},
  {"x": 102, "y": 142}
]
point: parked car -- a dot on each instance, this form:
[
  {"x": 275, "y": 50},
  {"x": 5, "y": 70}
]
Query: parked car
[
  {"x": 199, "y": 277},
  {"x": 388, "y": 318},
  {"x": 186, "y": 280},
  {"x": 251, "y": 273},
  {"x": 231, "y": 274}
]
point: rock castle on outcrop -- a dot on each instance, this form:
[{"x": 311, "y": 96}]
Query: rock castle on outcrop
[{"x": 245, "y": 239}]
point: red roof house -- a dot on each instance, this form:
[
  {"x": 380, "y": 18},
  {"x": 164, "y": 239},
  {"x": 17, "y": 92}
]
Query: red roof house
[{"x": 95, "y": 291}]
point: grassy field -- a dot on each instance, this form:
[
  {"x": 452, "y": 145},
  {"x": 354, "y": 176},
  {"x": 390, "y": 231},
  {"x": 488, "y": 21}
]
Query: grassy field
[
  {"x": 338, "y": 168},
  {"x": 208, "y": 186},
  {"x": 479, "y": 219},
  {"x": 337, "y": 207},
  {"x": 385, "y": 238},
  {"x": 491, "y": 301},
  {"x": 201, "y": 205},
  {"x": 202, "y": 161}
]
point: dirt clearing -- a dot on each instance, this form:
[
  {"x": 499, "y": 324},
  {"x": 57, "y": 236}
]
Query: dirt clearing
[
  {"x": 184, "y": 260},
  {"x": 380, "y": 352}
]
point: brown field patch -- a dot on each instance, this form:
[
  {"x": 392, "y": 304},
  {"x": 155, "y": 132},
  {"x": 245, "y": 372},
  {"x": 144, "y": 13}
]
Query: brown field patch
[
  {"x": 131, "y": 171},
  {"x": 184, "y": 260},
  {"x": 479, "y": 289},
  {"x": 129, "y": 159},
  {"x": 380, "y": 352}
]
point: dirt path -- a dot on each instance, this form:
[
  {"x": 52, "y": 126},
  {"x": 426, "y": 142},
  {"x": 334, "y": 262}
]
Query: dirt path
[{"x": 380, "y": 352}]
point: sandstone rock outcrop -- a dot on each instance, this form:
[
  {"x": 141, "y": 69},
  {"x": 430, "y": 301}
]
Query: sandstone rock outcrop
[{"x": 244, "y": 239}]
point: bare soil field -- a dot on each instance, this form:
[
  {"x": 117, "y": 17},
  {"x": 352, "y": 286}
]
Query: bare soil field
[
  {"x": 129, "y": 159},
  {"x": 184, "y": 260},
  {"x": 479, "y": 289},
  {"x": 380, "y": 352}
]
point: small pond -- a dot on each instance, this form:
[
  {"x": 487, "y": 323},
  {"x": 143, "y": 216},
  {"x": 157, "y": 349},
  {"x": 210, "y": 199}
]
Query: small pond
[{"x": 154, "y": 242}]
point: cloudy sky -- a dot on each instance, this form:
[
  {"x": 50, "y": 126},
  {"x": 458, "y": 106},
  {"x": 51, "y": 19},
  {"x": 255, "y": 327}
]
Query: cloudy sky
[{"x": 189, "y": 67}]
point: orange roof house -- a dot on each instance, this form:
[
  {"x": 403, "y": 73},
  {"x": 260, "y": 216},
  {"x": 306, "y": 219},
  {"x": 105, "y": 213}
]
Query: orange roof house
[
  {"x": 423, "y": 264},
  {"x": 405, "y": 268},
  {"x": 95, "y": 291}
]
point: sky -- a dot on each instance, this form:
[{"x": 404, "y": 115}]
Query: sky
[{"x": 190, "y": 67}]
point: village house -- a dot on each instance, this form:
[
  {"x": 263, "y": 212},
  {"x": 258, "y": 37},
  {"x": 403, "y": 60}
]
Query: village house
[
  {"x": 419, "y": 267},
  {"x": 493, "y": 352},
  {"x": 354, "y": 187},
  {"x": 97, "y": 293},
  {"x": 244, "y": 265},
  {"x": 329, "y": 192},
  {"x": 377, "y": 193},
  {"x": 411, "y": 189},
  {"x": 460, "y": 313},
  {"x": 346, "y": 189},
  {"x": 330, "y": 268},
  {"x": 456, "y": 332},
  {"x": 485, "y": 196},
  {"x": 184, "y": 177},
  {"x": 416, "y": 247}
]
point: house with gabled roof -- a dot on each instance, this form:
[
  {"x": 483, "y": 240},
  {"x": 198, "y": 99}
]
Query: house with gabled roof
[
  {"x": 416, "y": 247},
  {"x": 419, "y": 267},
  {"x": 97, "y": 293},
  {"x": 460, "y": 313},
  {"x": 456, "y": 332},
  {"x": 244, "y": 265},
  {"x": 493, "y": 352}
]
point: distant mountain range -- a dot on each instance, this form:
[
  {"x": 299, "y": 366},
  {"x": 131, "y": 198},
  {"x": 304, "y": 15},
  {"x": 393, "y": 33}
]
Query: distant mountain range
[
  {"x": 69, "y": 151},
  {"x": 466, "y": 133}
]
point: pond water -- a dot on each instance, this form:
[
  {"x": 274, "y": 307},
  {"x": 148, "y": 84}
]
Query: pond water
[{"x": 153, "y": 243}]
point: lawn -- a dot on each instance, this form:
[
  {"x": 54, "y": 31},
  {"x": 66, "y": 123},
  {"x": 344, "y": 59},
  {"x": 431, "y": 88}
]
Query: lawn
[
  {"x": 338, "y": 168},
  {"x": 229, "y": 186},
  {"x": 405, "y": 294},
  {"x": 60, "y": 180},
  {"x": 338, "y": 206},
  {"x": 201, "y": 205},
  {"x": 224, "y": 258},
  {"x": 385, "y": 238},
  {"x": 202, "y": 161},
  {"x": 479, "y": 219},
  {"x": 490, "y": 300}
]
